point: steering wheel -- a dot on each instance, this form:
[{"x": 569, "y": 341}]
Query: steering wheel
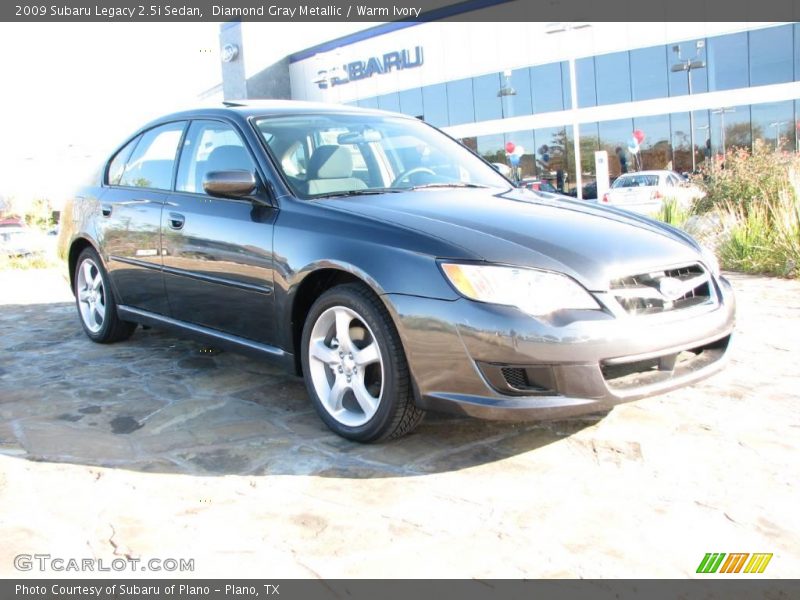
[{"x": 406, "y": 174}]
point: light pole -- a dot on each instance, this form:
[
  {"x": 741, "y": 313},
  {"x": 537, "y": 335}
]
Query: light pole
[
  {"x": 721, "y": 112},
  {"x": 777, "y": 125},
  {"x": 576, "y": 135},
  {"x": 688, "y": 65}
]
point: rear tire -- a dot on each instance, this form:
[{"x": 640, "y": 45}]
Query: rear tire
[
  {"x": 94, "y": 299},
  {"x": 355, "y": 369}
]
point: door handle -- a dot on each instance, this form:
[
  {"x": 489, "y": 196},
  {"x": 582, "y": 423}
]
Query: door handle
[
  {"x": 176, "y": 220},
  {"x": 106, "y": 210}
]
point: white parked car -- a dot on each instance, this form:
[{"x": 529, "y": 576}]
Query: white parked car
[
  {"x": 20, "y": 241},
  {"x": 645, "y": 191}
]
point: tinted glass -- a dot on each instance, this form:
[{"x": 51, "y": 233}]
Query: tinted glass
[
  {"x": 459, "y": 107},
  {"x": 361, "y": 153},
  {"x": 117, "y": 165},
  {"x": 389, "y": 102},
  {"x": 615, "y": 137},
  {"x": 637, "y": 180},
  {"x": 485, "y": 99},
  {"x": 649, "y": 73},
  {"x": 411, "y": 102},
  {"x": 552, "y": 155},
  {"x": 434, "y": 103},
  {"x": 771, "y": 55},
  {"x": 655, "y": 150},
  {"x": 612, "y": 78},
  {"x": 152, "y": 161},
  {"x": 589, "y": 145},
  {"x": 736, "y": 122},
  {"x": 210, "y": 146},
  {"x": 368, "y": 102},
  {"x": 520, "y": 103},
  {"x": 727, "y": 62},
  {"x": 546, "y": 88},
  {"x": 585, "y": 79},
  {"x": 491, "y": 147},
  {"x": 682, "y": 140},
  {"x": 773, "y": 124},
  {"x": 689, "y": 53},
  {"x": 525, "y": 149}
]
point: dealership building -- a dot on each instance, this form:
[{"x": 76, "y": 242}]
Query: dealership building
[{"x": 558, "y": 91}]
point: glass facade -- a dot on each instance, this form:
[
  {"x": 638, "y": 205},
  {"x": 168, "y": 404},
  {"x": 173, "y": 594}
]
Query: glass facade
[{"x": 738, "y": 60}]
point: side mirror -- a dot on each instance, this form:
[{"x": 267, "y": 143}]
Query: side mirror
[{"x": 229, "y": 184}]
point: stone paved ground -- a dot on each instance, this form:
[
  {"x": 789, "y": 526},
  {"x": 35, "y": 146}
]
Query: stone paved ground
[{"x": 153, "y": 448}]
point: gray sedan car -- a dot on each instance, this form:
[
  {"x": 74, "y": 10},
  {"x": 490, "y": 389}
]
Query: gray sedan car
[{"x": 388, "y": 265}]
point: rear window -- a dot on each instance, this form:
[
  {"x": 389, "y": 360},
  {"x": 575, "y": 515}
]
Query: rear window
[{"x": 627, "y": 181}]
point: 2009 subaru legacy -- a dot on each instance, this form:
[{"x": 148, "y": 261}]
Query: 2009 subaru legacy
[{"x": 394, "y": 269}]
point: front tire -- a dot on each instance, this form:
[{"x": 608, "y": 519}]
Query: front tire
[
  {"x": 355, "y": 369},
  {"x": 95, "y": 301}
]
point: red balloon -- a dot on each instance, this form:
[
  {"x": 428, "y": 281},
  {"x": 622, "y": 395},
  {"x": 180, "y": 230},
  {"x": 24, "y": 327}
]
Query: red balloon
[
  {"x": 510, "y": 147},
  {"x": 639, "y": 135}
]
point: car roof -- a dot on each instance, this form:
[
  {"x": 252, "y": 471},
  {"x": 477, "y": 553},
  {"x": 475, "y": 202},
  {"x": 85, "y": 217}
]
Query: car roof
[{"x": 263, "y": 108}]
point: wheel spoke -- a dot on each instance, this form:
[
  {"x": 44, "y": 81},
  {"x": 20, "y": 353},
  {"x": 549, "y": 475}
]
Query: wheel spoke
[
  {"x": 367, "y": 403},
  {"x": 87, "y": 274},
  {"x": 367, "y": 355},
  {"x": 98, "y": 281},
  {"x": 343, "y": 320},
  {"x": 336, "y": 395},
  {"x": 322, "y": 353},
  {"x": 101, "y": 310},
  {"x": 83, "y": 295}
]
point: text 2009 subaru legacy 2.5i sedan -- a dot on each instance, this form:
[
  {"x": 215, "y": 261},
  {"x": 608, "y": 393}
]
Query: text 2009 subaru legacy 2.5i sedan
[{"x": 390, "y": 266}]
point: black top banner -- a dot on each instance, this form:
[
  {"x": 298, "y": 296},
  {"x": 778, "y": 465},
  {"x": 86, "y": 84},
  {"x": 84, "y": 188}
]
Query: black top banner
[{"x": 400, "y": 10}]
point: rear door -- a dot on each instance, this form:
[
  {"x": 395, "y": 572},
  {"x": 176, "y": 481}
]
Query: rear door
[
  {"x": 138, "y": 180},
  {"x": 217, "y": 255}
]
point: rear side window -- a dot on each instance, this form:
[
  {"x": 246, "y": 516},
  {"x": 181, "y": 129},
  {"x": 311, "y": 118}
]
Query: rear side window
[
  {"x": 210, "y": 146},
  {"x": 152, "y": 161},
  {"x": 117, "y": 166}
]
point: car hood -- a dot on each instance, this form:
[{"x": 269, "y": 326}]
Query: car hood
[{"x": 592, "y": 244}]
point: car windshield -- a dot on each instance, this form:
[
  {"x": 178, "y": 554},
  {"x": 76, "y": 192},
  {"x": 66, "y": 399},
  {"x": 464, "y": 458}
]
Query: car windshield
[
  {"x": 639, "y": 180},
  {"x": 351, "y": 154}
]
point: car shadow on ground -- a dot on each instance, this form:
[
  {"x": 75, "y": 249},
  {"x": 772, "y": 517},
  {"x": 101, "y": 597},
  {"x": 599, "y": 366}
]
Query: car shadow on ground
[{"x": 159, "y": 403}]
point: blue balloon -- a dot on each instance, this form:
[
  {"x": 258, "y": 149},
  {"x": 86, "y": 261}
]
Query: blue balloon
[{"x": 515, "y": 159}]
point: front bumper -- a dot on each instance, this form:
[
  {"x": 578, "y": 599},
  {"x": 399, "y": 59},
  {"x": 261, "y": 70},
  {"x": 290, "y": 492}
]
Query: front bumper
[{"x": 496, "y": 362}]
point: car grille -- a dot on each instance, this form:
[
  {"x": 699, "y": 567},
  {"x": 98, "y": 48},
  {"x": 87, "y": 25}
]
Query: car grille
[{"x": 662, "y": 291}]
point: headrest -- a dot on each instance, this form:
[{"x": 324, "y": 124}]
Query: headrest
[{"x": 330, "y": 162}]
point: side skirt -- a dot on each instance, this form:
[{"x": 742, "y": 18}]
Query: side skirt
[{"x": 211, "y": 336}]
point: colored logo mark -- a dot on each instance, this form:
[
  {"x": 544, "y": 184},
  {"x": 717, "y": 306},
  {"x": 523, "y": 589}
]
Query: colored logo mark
[{"x": 718, "y": 563}]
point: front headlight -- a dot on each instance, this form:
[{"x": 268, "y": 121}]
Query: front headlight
[
  {"x": 710, "y": 260},
  {"x": 534, "y": 292}
]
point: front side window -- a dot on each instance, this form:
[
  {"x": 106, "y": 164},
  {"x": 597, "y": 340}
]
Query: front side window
[
  {"x": 321, "y": 155},
  {"x": 210, "y": 146},
  {"x": 637, "y": 180},
  {"x": 152, "y": 162}
]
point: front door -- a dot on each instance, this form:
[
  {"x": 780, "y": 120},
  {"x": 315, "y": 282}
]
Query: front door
[
  {"x": 137, "y": 187},
  {"x": 217, "y": 253}
]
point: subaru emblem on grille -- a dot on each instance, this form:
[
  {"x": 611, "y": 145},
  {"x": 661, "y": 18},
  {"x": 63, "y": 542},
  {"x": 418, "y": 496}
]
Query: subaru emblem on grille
[{"x": 671, "y": 288}]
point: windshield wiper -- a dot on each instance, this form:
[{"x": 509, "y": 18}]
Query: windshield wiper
[
  {"x": 364, "y": 192},
  {"x": 451, "y": 184}
]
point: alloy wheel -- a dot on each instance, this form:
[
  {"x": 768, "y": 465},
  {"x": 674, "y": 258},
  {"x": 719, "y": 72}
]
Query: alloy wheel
[{"x": 91, "y": 295}]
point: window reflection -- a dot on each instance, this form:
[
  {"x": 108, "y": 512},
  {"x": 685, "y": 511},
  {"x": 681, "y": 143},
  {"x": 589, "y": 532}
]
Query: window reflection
[
  {"x": 584, "y": 76},
  {"x": 773, "y": 125},
  {"x": 485, "y": 98},
  {"x": 547, "y": 88},
  {"x": 727, "y": 62},
  {"x": 612, "y": 78},
  {"x": 655, "y": 150},
  {"x": 434, "y": 103},
  {"x": 459, "y": 107},
  {"x": 615, "y": 137},
  {"x": 771, "y": 55},
  {"x": 649, "y": 73}
]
